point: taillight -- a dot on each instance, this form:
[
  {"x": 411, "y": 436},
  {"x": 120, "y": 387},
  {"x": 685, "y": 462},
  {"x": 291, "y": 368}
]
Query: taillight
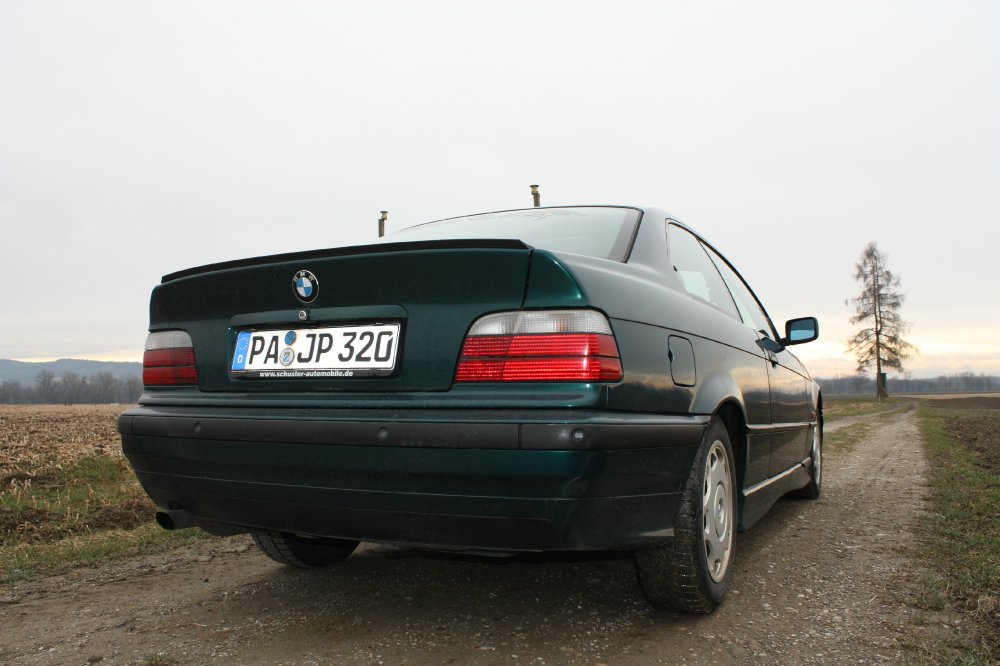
[
  {"x": 169, "y": 359},
  {"x": 540, "y": 345}
]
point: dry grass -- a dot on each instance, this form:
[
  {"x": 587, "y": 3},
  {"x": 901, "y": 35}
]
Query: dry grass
[
  {"x": 838, "y": 407},
  {"x": 37, "y": 440},
  {"x": 67, "y": 495},
  {"x": 960, "y": 542}
]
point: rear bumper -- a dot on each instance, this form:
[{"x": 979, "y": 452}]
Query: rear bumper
[{"x": 534, "y": 480}]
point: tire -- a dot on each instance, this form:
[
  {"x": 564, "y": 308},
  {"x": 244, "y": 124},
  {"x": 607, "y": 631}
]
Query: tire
[
  {"x": 813, "y": 489},
  {"x": 301, "y": 552},
  {"x": 693, "y": 573}
]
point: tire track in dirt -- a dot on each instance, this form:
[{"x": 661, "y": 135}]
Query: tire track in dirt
[{"x": 815, "y": 582}]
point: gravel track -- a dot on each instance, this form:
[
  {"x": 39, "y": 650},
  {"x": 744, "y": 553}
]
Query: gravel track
[{"x": 824, "y": 582}]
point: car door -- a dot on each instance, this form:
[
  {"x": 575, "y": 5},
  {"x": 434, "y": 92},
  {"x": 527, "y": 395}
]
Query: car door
[{"x": 790, "y": 412}]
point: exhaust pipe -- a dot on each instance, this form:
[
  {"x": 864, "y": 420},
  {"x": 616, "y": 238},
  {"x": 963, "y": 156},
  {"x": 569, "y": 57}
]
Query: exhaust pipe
[{"x": 174, "y": 519}]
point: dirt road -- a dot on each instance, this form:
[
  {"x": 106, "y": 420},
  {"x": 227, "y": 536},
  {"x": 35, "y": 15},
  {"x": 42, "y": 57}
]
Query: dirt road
[{"x": 815, "y": 582}]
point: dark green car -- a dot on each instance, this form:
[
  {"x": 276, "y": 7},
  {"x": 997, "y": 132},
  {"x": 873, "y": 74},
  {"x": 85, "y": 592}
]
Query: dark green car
[{"x": 572, "y": 378}]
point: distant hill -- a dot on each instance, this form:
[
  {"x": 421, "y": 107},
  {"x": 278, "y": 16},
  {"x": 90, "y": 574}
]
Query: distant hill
[{"x": 25, "y": 373}]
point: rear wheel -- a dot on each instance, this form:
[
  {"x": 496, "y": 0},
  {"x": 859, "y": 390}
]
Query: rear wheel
[
  {"x": 302, "y": 552},
  {"x": 693, "y": 573}
]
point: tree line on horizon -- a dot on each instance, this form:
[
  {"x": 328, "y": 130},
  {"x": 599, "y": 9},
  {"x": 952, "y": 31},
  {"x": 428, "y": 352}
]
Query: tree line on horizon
[
  {"x": 72, "y": 389},
  {"x": 105, "y": 388},
  {"x": 861, "y": 384}
]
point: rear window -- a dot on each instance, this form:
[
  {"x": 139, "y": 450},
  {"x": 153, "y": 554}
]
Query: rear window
[{"x": 597, "y": 231}]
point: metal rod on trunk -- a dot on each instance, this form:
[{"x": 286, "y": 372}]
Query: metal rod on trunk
[
  {"x": 536, "y": 196},
  {"x": 381, "y": 223}
]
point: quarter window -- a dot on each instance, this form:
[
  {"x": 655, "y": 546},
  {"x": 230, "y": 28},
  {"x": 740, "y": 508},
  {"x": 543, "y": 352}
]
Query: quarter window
[
  {"x": 750, "y": 311},
  {"x": 696, "y": 271}
]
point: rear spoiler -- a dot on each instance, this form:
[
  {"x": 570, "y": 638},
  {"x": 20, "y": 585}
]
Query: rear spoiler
[{"x": 378, "y": 248}]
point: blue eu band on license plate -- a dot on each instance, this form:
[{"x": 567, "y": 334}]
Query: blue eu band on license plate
[{"x": 336, "y": 351}]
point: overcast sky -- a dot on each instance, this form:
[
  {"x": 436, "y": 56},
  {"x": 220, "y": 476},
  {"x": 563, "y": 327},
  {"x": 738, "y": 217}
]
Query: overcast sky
[{"x": 141, "y": 138}]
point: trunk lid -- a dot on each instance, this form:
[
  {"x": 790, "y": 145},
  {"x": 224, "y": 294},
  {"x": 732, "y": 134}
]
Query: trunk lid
[{"x": 433, "y": 290}]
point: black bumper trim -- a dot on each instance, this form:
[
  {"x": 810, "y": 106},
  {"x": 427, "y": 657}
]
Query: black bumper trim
[{"x": 574, "y": 431}]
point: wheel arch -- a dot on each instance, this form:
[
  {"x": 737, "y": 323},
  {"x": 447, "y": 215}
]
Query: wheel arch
[{"x": 734, "y": 417}]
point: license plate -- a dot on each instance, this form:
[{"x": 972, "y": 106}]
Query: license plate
[{"x": 338, "y": 351}]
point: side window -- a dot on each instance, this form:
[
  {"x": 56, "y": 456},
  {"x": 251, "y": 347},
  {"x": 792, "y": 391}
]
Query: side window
[
  {"x": 696, "y": 271},
  {"x": 750, "y": 311}
]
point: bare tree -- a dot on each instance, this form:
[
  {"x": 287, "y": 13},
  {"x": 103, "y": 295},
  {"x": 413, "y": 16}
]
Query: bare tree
[
  {"x": 105, "y": 387},
  {"x": 72, "y": 388},
  {"x": 46, "y": 389},
  {"x": 13, "y": 393},
  {"x": 880, "y": 341},
  {"x": 133, "y": 389}
]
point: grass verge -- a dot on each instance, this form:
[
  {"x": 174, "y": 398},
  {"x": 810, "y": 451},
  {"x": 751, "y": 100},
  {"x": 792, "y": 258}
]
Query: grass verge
[
  {"x": 837, "y": 407},
  {"x": 960, "y": 535},
  {"x": 85, "y": 513},
  {"x": 27, "y": 561},
  {"x": 844, "y": 439}
]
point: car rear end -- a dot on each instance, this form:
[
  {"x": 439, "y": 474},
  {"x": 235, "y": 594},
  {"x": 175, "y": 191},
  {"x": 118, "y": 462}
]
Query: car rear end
[{"x": 441, "y": 392}]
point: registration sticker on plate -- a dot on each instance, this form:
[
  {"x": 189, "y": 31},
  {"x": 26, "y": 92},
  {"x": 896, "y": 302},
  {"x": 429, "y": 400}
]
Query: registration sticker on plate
[{"x": 337, "y": 351}]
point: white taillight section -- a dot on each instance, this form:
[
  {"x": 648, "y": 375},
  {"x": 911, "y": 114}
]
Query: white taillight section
[
  {"x": 540, "y": 345},
  {"x": 531, "y": 322},
  {"x": 168, "y": 340},
  {"x": 169, "y": 359}
]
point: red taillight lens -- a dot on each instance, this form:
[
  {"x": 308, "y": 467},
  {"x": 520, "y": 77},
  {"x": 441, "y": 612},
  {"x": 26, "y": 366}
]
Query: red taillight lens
[
  {"x": 540, "y": 369},
  {"x": 169, "y": 359},
  {"x": 164, "y": 357},
  {"x": 169, "y": 376},
  {"x": 540, "y": 346}
]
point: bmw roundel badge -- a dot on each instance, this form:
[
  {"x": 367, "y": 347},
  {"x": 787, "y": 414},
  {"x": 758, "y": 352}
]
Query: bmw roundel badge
[{"x": 306, "y": 286}]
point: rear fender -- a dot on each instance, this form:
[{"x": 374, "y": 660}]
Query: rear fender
[{"x": 720, "y": 394}]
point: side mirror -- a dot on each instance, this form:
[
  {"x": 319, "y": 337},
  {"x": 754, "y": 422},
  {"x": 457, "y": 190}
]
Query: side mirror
[{"x": 801, "y": 330}]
